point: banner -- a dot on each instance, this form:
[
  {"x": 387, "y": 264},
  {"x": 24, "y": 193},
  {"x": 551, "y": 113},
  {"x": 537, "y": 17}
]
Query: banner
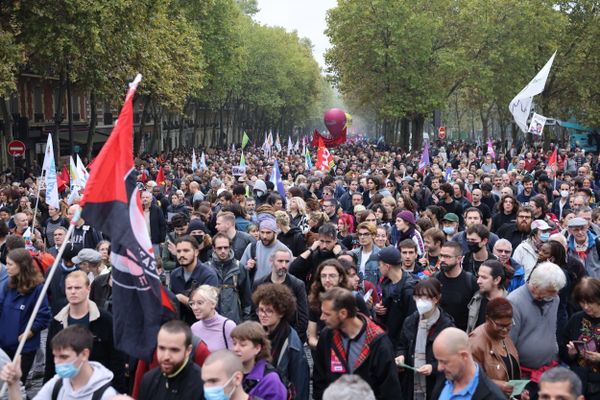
[
  {"x": 520, "y": 106},
  {"x": 537, "y": 124}
]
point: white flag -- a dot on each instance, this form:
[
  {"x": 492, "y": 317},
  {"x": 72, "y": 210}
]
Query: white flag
[
  {"x": 202, "y": 161},
  {"x": 50, "y": 178},
  {"x": 520, "y": 106},
  {"x": 290, "y": 146},
  {"x": 194, "y": 162},
  {"x": 82, "y": 174}
]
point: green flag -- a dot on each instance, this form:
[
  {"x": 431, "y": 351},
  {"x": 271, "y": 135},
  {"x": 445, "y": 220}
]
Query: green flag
[
  {"x": 242, "y": 159},
  {"x": 245, "y": 140}
]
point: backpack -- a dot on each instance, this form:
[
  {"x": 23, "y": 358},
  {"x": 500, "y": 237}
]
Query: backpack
[
  {"x": 97, "y": 395},
  {"x": 249, "y": 384}
]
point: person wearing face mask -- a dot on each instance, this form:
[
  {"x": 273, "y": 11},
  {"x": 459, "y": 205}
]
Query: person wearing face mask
[
  {"x": 76, "y": 377},
  {"x": 561, "y": 204},
  {"x": 450, "y": 225},
  {"x": 478, "y": 237},
  {"x": 415, "y": 347},
  {"x": 198, "y": 230},
  {"x": 535, "y": 308},
  {"x": 526, "y": 253},
  {"x": 223, "y": 373}
]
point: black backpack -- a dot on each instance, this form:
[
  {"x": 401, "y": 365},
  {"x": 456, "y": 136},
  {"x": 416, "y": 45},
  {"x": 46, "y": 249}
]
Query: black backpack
[{"x": 97, "y": 395}]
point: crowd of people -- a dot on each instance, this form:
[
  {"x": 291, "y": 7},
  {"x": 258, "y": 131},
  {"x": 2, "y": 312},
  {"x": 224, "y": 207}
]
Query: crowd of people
[{"x": 384, "y": 278}]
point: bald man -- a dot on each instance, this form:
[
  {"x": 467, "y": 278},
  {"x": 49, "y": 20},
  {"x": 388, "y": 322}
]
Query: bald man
[
  {"x": 223, "y": 372},
  {"x": 464, "y": 378}
]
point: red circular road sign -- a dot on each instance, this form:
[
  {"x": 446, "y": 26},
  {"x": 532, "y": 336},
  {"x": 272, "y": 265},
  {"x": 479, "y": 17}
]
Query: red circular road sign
[
  {"x": 442, "y": 132},
  {"x": 16, "y": 148}
]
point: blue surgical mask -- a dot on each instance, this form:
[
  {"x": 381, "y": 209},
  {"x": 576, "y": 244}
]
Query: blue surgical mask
[
  {"x": 218, "y": 392},
  {"x": 544, "y": 236},
  {"x": 67, "y": 370},
  {"x": 448, "y": 230}
]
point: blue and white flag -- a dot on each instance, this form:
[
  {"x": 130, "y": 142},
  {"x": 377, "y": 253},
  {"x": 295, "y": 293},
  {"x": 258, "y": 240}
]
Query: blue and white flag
[
  {"x": 308, "y": 165},
  {"x": 276, "y": 179},
  {"x": 50, "y": 178},
  {"x": 278, "y": 143},
  {"x": 202, "y": 161},
  {"x": 194, "y": 162}
]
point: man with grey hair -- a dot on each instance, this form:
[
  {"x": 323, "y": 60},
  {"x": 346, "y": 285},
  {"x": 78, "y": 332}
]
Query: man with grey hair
[
  {"x": 560, "y": 384},
  {"x": 535, "y": 308},
  {"x": 503, "y": 251},
  {"x": 464, "y": 378},
  {"x": 349, "y": 387},
  {"x": 583, "y": 245}
]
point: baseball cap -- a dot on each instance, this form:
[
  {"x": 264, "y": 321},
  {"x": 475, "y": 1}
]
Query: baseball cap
[
  {"x": 540, "y": 224},
  {"x": 389, "y": 255},
  {"x": 450, "y": 217},
  {"x": 87, "y": 255}
]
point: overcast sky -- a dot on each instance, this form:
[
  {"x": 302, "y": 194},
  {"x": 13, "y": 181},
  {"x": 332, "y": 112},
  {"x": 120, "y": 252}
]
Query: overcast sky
[{"x": 305, "y": 16}]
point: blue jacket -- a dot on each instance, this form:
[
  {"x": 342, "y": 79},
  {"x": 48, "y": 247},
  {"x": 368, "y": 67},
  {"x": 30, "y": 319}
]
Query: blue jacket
[
  {"x": 518, "y": 278},
  {"x": 372, "y": 273},
  {"x": 15, "y": 310},
  {"x": 293, "y": 365}
]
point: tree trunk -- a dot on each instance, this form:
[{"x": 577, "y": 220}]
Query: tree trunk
[
  {"x": 417, "y": 131},
  {"x": 92, "y": 128},
  {"x": 404, "y": 133},
  {"x": 70, "y": 116},
  {"x": 7, "y": 136},
  {"x": 58, "y": 117},
  {"x": 139, "y": 134}
]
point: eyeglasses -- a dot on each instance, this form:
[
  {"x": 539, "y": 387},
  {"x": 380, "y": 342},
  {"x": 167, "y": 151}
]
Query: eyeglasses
[
  {"x": 501, "y": 327},
  {"x": 503, "y": 251},
  {"x": 221, "y": 247},
  {"x": 265, "y": 311}
]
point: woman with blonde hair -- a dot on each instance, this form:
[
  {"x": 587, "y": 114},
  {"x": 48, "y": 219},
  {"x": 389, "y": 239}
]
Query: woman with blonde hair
[
  {"x": 296, "y": 207},
  {"x": 213, "y": 328}
]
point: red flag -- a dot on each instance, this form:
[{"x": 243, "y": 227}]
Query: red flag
[
  {"x": 143, "y": 178},
  {"x": 552, "y": 166},
  {"x": 160, "y": 178},
  {"x": 328, "y": 142},
  {"x": 111, "y": 203},
  {"x": 62, "y": 180},
  {"x": 324, "y": 157}
]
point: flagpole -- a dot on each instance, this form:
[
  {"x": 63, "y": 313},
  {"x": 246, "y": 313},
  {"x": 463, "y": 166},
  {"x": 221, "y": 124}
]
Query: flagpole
[
  {"x": 37, "y": 199},
  {"x": 42, "y": 294}
]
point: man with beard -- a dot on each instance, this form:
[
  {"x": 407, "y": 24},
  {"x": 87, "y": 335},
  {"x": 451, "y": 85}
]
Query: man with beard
[
  {"x": 256, "y": 256},
  {"x": 490, "y": 279},
  {"x": 458, "y": 286},
  {"x": 304, "y": 266},
  {"x": 445, "y": 195},
  {"x": 528, "y": 191},
  {"x": 190, "y": 274},
  {"x": 517, "y": 232},
  {"x": 177, "y": 376},
  {"x": 235, "y": 297},
  {"x": 280, "y": 262}
]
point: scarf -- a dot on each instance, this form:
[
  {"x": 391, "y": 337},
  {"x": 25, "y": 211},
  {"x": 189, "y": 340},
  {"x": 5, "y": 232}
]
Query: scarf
[
  {"x": 406, "y": 235},
  {"x": 278, "y": 338},
  {"x": 420, "y": 384}
]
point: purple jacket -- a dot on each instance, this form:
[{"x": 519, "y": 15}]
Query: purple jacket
[{"x": 267, "y": 387}]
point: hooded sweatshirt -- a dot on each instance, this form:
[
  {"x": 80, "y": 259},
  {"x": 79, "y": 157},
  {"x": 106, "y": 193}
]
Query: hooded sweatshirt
[{"x": 99, "y": 378}]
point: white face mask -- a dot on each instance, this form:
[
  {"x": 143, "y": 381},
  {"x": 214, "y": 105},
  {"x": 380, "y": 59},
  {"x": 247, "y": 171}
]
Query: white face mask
[
  {"x": 564, "y": 193},
  {"x": 424, "y": 305}
]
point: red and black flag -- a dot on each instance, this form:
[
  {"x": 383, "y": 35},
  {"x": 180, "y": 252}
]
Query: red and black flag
[{"x": 111, "y": 203}]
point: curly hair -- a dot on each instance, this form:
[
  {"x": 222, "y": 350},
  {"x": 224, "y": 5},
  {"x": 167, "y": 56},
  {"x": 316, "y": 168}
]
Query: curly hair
[
  {"x": 29, "y": 275},
  {"x": 280, "y": 297},
  {"x": 316, "y": 287}
]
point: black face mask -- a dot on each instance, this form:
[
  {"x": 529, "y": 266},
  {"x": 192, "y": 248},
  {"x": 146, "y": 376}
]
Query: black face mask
[
  {"x": 199, "y": 238},
  {"x": 473, "y": 247}
]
